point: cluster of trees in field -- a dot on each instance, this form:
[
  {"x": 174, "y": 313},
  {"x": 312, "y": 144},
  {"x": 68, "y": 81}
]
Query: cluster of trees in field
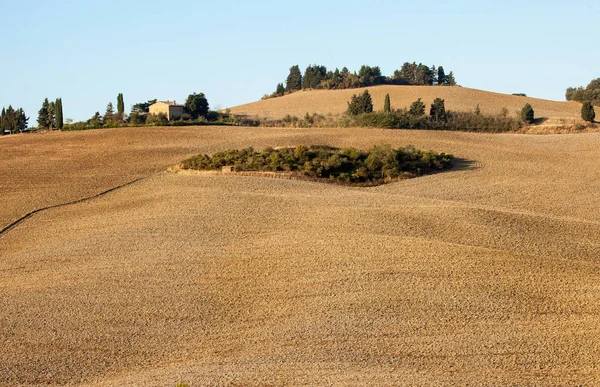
[
  {"x": 50, "y": 115},
  {"x": 318, "y": 77},
  {"x": 350, "y": 165},
  {"x": 360, "y": 109},
  {"x": 13, "y": 120},
  {"x": 590, "y": 93}
]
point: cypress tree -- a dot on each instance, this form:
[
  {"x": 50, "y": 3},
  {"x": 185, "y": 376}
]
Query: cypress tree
[
  {"x": 2, "y": 120},
  {"x": 58, "y": 113},
  {"x": 43, "y": 115},
  {"x": 587, "y": 112},
  {"x": 120, "y": 105},
  {"x": 386, "y": 105}
]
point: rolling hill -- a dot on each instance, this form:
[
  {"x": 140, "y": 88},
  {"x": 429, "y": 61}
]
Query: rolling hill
[
  {"x": 484, "y": 275},
  {"x": 334, "y": 102}
]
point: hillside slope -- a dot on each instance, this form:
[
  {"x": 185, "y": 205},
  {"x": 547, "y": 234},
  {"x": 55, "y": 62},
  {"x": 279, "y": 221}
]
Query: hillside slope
[
  {"x": 457, "y": 98},
  {"x": 484, "y": 275}
]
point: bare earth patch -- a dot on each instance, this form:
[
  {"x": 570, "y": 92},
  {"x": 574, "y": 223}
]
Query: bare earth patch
[{"x": 486, "y": 274}]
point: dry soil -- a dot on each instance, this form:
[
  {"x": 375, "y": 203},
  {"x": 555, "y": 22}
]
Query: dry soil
[{"x": 486, "y": 274}]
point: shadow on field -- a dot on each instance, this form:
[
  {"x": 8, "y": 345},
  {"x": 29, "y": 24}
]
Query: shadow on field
[{"x": 465, "y": 165}]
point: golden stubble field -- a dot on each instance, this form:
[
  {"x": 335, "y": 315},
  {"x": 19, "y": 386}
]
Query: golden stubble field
[
  {"x": 335, "y": 102},
  {"x": 487, "y": 274}
]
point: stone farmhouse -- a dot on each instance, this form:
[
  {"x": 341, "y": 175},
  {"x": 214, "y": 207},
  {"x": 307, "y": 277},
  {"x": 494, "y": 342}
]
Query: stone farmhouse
[{"x": 168, "y": 108}]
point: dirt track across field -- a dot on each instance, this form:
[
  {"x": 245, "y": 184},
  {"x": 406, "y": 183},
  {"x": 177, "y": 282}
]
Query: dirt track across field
[{"x": 486, "y": 274}]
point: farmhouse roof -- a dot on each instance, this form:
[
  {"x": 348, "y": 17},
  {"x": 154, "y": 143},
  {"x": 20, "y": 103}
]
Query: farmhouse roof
[{"x": 170, "y": 103}]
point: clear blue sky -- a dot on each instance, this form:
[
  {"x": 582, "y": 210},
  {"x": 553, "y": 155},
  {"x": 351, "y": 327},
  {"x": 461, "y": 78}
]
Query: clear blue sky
[{"x": 89, "y": 51}]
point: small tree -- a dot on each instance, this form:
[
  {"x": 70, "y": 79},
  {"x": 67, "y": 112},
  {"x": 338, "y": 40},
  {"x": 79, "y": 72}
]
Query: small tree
[
  {"x": 587, "y": 112},
  {"x": 417, "y": 108},
  {"x": 386, "y": 104},
  {"x": 438, "y": 110},
  {"x": 196, "y": 105},
  {"x": 280, "y": 90},
  {"x": 477, "y": 110},
  {"x": 52, "y": 115},
  {"x": 527, "y": 113},
  {"x": 360, "y": 104}
]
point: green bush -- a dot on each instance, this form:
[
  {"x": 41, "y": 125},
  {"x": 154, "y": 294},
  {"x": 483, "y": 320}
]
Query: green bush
[
  {"x": 527, "y": 113},
  {"x": 587, "y": 112},
  {"x": 360, "y": 104}
]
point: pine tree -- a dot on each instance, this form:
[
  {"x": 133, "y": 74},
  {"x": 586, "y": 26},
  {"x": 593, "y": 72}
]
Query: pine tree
[
  {"x": 417, "y": 108},
  {"x": 386, "y": 104},
  {"x": 441, "y": 76},
  {"x": 587, "y": 112},
  {"x": 109, "y": 114},
  {"x": 294, "y": 79},
  {"x": 450, "y": 81},
  {"x": 22, "y": 120},
  {"x": 58, "y": 113},
  {"x": 280, "y": 90},
  {"x": 42, "y": 120}
]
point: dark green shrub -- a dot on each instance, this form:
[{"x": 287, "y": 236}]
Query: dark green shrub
[
  {"x": 360, "y": 104},
  {"x": 587, "y": 112},
  {"x": 527, "y": 113}
]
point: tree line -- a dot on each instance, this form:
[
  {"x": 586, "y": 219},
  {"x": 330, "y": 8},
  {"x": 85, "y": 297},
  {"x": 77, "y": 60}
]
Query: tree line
[
  {"x": 196, "y": 109},
  {"x": 590, "y": 93},
  {"x": 13, "y": 120},
  {"x": 318, "y": 77}
]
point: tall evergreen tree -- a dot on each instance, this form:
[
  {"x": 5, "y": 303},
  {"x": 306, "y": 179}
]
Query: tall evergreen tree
[
  {"x": 120, "y": 105},
  {"x": 22, "y": 120},
  {"x": 58, "y": 113},
  {"x": 294, "y": 79},
  {"x": 43, "y": 120},
  {"x": 441, "y": 76},
  {"x": 587, "y": 112},
  {"x": 386, "y": 104},
  {"x": 52, "y": 115},
  {"x": 450, "y": 81},
  {"x": 2, "y": 120}
]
